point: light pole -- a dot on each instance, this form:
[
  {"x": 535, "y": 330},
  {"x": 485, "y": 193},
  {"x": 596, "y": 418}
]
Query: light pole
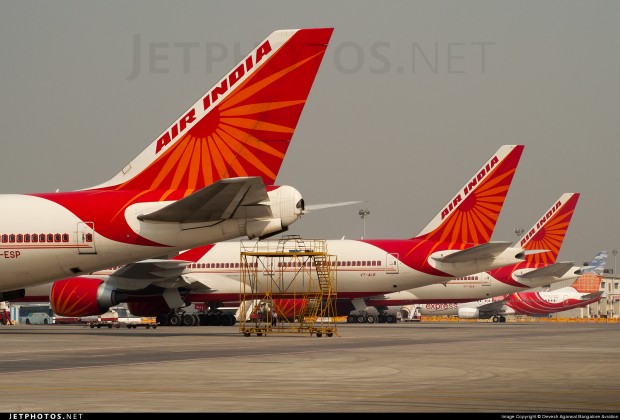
[
  {"x": 363, "y": 213},
  {"x": 614, "y": 252}
]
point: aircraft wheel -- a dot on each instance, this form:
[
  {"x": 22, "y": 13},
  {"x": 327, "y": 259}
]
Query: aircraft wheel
[
  {"x": 204, "y": 319},
  {"x": 351, "y": 319},
  {"x": 228, "y": 320},
  {"x": 187, "y": 320},
  {"x": 371, "y": 319},
  {"x": 495, "y": 319},
  {"x": 361, "y": 319},
  {"x": 390, "y": 319},
  {"x": 502, "y": 319},
  {"x": 174, "y": 320}
]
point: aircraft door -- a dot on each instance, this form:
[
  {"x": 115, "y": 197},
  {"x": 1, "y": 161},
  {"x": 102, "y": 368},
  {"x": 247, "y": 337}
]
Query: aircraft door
[
  {"x": 486, "y": 279},
  {"x": 85, "y": 238},
  {"x": 391, "y": 264}
]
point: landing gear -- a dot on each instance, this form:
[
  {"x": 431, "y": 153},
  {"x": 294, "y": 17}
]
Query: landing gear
[
  {"x": 499, "y": 318},
  {"x": 382, "y": 318},
  {"x": 181, "y": 318}
]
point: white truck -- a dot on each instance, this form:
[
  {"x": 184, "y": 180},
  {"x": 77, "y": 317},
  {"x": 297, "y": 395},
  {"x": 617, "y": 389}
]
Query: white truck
[{"x": 120, "y": 316}]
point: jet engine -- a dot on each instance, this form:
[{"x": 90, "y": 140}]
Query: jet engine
[
  {"x": 469, "y": 313},
  {"x": 83, "y": 296}
]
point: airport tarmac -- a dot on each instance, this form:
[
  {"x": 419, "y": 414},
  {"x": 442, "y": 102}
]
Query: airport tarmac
[{"x": 388, "y": 368}]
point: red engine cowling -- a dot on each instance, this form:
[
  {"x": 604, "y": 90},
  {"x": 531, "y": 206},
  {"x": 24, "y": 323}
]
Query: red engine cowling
[
  {"x": 82, "y": 296},
  {"x": 148, "y": 306},
  {"x": 290, "y": 308}
]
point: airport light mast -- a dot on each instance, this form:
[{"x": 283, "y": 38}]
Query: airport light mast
[
  {"x": 614, "y": 252},
  {"x": 363, "y": 213}
]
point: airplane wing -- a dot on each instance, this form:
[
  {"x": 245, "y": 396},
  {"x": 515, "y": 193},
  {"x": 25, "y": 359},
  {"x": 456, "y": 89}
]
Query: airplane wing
[
  {"x": 493, "y": 307},
  {"x": 141, "y": 274},
  {"x": 478, "y": 252},
  {"x": 592, "y": 295},
  {"x": 551, "y": 270},
  {"x": 221, "y": 200}
]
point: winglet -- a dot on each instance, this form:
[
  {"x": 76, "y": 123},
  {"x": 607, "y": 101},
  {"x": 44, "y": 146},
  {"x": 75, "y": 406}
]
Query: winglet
[{"x": 471, "y": 215}]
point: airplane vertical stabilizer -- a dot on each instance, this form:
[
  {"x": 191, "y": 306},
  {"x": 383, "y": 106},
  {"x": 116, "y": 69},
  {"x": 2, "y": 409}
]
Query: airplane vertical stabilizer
[
  {"x": 241, "y": 127},
  {"x": 471, "y": 215},
  {"x": 549, "y": 231}
]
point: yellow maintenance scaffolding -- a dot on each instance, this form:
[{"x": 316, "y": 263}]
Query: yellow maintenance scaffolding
[{"x": 287, "y": 286}]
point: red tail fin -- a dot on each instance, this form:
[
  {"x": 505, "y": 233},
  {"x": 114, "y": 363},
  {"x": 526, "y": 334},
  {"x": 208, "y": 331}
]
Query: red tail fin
[
  {"x": 550, "y": 229},
  {"x": 241, "y": 127},
  {"x": 587, "y": 283},
  {"x": 471, "y": 215}
]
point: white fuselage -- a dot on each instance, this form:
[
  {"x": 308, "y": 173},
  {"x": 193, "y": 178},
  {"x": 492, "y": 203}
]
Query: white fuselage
[
  {"x": 66, "y": 245},
  {"x": 361, "y": 269},
  {"x": 466, "y": 289}
]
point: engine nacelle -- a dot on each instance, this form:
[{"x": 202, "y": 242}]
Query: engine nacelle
[
  {"x": 469, "y": 313},
  {"x": 82, "y": 296}
]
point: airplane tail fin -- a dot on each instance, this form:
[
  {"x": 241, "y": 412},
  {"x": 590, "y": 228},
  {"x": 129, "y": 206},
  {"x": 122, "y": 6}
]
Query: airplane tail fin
[
  {"x": 587, "y": 283},
  {"x": 549, "y": 231},
  {"x": 471, "y": 215},
  {"x": 241, "y": 127},
  {"x": 590, "y": 280}
]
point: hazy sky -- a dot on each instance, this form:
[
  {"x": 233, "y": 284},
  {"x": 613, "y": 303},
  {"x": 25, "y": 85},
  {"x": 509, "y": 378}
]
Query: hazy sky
[{"x": 411, "y": 99}]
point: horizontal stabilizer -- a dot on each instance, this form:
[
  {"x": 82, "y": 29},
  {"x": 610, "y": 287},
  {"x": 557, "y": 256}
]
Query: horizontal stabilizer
[
  {"x": 218, "y": 201},
  {"x": 312, "y": 207},
  {"x": 535, "y": 251},
  {"x": 478, "y": 252},
  {"x": 592, "y": 295},
  {"x": 551, "y": 270}
]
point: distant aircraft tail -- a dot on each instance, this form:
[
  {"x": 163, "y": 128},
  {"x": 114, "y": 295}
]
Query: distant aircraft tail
[
  {"x": 471, "y": 215},
  {"x": 241, "y": 127},
  {"x": 590, "y": 280},
  {"x": 550, "y": 230}
]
